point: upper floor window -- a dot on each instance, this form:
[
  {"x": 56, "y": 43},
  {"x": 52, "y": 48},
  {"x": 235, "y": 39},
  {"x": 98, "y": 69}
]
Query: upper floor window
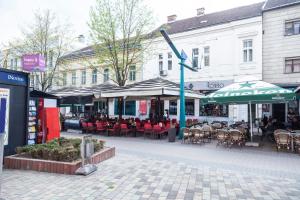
[
  {"x": 170, "y": 61},
  {"x": 31, "y": 80},
  {"x": 132, "y": 73},
  {"x": 160, "y": 62},
  {"x": 83, "y": 77},
  {"x": 64, "y": 79},
  {"x": 292, "y": 27},
  {"x": 247, "y": 51},
  {"x": 16, "y": 63},
  {"x": 50, "y": 59},
  {"x": 11, "y": 63},
  {"x": 106, "y": 75},
  {"x": 292, "y": 65},
  {"x": 195, "y": 58},
  {"x": 206, "y": 51},
  {"x": 94, "y": 76},
  {"x": 37, "y": 81},
  {"x": 74, "y": 77}
]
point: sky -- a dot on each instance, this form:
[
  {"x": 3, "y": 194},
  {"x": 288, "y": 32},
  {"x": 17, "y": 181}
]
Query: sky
[{"x": 15, "y": 14}]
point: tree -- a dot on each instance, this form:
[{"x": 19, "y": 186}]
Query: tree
[
  {"x": 119, "y": 30},
  {"x": 47, "y": 37}
]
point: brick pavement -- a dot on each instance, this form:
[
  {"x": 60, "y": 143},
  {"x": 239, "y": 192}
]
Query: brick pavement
[{"x": 138, "y": 173}]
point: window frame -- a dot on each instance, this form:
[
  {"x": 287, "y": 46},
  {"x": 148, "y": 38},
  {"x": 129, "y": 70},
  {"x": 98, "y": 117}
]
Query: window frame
[
  {"x": 132, "y": 73},
  {"x": 94, "y": 76},
  {"x": 170, "y": 63},
  {"x": 195, "y": 57},
  {"x": 74, "y": 78},
  {"x": 64, "y": 78},
  {"x": 247, "y": 48},
  {"x": 206, "y": 55},
  {"x": 187, "y": 106},
  {"x": 292, "y": 22},
  {"x": 160, "y": 62},
  {"x": 83, "y": 77},
  {"x": 292, "y": 59},
  {"x": 172, "y": 108},
  {"x": 106, "y": 75}
]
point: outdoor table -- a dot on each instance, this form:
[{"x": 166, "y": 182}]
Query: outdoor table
[{"x": 293, "y": 134}]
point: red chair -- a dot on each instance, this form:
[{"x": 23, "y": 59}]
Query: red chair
[
  {"x": 100, "y": 127},
  {"x": 90, "y": 127},
  {"x": 174, "y": 121},
  {"x": 158, "y": 131},
  {"x": 84, "y": 127},
  {"x": 124, "y": 130},
  {"x": 148, "y": 130},
  {"x": 139, "y": 128},
  {"x": 114, "y": 131}
]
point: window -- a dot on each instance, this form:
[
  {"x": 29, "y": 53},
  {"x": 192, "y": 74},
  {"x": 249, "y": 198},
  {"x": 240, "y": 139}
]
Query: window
[
  {"x": 173, "y": 107},
  {"x": 94, "y": 76},
  {"x": 247, "y": 51},
  {"x": 50, "y": 59},
  {"x": 170, "y": 61},
  {"x": 292, "y": 27},
  {"x": 132, "y": 73},
  {"x": 31, "y": 80},
  {"x": 16, "y": 63},
  {"x": 83, "y": 77},
  {"x": 64, "y": 79},
  {"x": 74, "y": 78},
  {"x": 106, "y": 75},
  {"x": 160, "y": 62},
  {"x": 116, "y": 107},
  {"x": 214, "y": 110},
  {"x": 195, "y": 58},
  {"x": 11, "y": 63},
  {"x": 189, "y": 107},
  {"x": 37, "y": 81},
  {"x": 206, "y": 56},
  {"x": 130, "y": 107},
  {"x": 292, "y": 65}
]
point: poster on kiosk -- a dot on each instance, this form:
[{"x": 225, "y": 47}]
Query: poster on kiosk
[{"x": 4, "y": 116}]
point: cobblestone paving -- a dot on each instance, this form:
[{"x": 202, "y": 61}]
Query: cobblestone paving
[{"x": 135, "y": 174}]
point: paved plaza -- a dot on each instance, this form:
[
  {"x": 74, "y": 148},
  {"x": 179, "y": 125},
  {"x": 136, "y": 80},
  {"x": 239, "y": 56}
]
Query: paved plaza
[{"x": 151, "y": 169}]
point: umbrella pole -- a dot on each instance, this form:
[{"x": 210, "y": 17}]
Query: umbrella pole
[{"x": 251, "y": 124}]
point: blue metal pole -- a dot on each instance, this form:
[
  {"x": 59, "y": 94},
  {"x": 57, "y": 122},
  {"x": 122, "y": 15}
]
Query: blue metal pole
[{"x": 182, "y": 99}]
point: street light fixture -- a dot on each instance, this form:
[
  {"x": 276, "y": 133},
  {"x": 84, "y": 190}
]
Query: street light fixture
[{"x": 182, "y": 57}]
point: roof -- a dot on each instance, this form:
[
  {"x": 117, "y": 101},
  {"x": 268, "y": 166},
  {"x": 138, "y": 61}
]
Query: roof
[
  {"x": 82, "y": 91},
  {"x": 213, "y": 19},
  {"x": 151, "y": 87},
  {"x": 275, "y": 4},
  {"x": 40, "y": 94},
  {"x": 197, "y": 22}
]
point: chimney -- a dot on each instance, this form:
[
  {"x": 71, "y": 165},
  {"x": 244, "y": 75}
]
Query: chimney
[
  {"x": 171, "y": 18},
  {"x": 200, "y": 11}
]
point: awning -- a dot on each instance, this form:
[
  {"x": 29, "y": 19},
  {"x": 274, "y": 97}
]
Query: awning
[
  {"x": 249, "y": 91},
  {"x": 40, "y": 94},
  {"x": 150, "y": 88}
]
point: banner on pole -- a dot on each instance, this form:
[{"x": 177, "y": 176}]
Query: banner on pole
[{"x": 4, "y": 113}]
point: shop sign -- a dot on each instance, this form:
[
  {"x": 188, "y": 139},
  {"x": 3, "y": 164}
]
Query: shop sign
[
  {"x": 33, "y": 63},
  {"x": 13, "y": 78},
  {"x": 208, "y": 85},
  {"x": 4, "y": 113}
]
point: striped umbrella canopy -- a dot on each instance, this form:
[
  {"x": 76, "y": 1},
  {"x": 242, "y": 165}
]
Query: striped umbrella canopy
[
  {"x": 150, "y": 88},
  {"x": 249, "y": 91}
]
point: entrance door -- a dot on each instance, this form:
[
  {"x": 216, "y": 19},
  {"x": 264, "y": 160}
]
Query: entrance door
[
  {"x": 157, "y": 109},
  {"x": 279, "y": 112}
]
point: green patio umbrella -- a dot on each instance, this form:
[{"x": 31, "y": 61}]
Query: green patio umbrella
[{"x": 249, "y": 92}]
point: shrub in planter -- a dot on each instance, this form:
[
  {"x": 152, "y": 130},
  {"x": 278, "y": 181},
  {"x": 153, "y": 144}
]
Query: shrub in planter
[{"x": 61, "y": 149}]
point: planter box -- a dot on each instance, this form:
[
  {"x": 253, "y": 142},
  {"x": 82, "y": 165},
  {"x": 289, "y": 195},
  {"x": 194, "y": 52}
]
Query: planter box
[{"x": 15, "y": 162}]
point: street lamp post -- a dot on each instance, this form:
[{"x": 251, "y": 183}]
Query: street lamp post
[{"x": 182, "y": 57}]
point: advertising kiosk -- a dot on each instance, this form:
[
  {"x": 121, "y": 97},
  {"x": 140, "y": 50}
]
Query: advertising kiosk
[{"x": 16, "y": 125}]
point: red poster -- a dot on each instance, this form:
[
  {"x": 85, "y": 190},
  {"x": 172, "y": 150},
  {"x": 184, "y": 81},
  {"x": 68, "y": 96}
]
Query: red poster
[{"x": 143, "y": 107}]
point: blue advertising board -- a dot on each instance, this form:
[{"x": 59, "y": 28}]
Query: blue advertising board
[
  {"x": 2, "y": 114},
  {"x": 13, "y": 78}
]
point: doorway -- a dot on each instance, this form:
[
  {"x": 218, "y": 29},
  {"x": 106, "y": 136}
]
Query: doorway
[
  {"x": 279, "y": 111},
  {"x": 157, "y": 109}
]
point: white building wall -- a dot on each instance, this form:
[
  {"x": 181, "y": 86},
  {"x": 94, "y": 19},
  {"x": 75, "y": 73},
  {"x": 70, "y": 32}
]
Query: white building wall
[{"x": 277, "y": 46}]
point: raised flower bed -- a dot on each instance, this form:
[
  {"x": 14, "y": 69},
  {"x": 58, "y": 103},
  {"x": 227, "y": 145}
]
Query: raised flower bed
[{"x": 58, "y": 156}]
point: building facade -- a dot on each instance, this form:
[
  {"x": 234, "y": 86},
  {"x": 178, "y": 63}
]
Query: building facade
[
  {"x": 225, "y": 47},
  {"x": 281, "y": 50}
]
